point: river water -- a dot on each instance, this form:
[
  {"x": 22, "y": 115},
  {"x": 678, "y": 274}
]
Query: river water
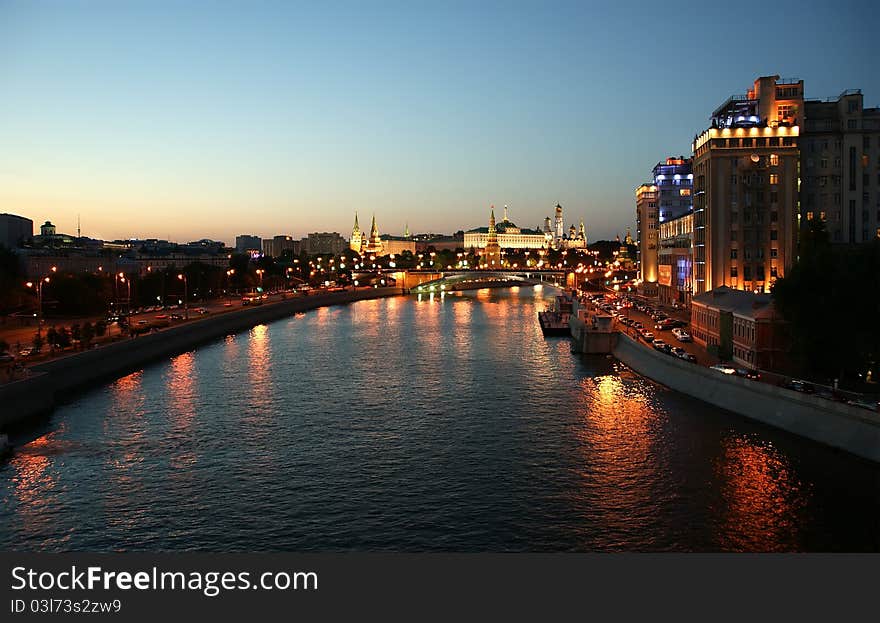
[{"x": 411, "y": 424}]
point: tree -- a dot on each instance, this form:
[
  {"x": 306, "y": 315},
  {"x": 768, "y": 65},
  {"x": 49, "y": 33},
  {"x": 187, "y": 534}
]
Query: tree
[
  {"x": 100, "y": 328},
  {"x": 37, "y": 342},
  {"x": 52, "y": 337},
  {"x": 88, "y": 334},
  {"x": 826, "y": 284},
  {"x": 63, "y": 338}
]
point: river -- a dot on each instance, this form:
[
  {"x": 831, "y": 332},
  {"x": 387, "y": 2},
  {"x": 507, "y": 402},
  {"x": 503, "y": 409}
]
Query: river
[{"x": 419, "y": 424}]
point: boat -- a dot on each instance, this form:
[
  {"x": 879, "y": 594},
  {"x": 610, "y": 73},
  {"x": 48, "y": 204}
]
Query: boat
[{"x": 554, "y": 321}]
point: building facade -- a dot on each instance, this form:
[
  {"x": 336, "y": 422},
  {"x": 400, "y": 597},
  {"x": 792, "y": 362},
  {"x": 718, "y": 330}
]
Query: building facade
[
  {"x": 245, "y": 243},
  {"x": 279, "y": 244},
  {"x": 15, "y": 230},
  {"x": 675, "y": 260},
  {"x": 509, "y": 236},
  {"x": 647, "y": 237},
  {"x": 746, "y": 180},
  {"x": 325, "y": 243},
  {"x": 840, "y": 167},
  {"x": 740, "y": 326},
  {"x": 674, "y": 180}
]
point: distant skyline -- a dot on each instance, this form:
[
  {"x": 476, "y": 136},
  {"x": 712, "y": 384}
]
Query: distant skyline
[{"x": 212, "y": 119}]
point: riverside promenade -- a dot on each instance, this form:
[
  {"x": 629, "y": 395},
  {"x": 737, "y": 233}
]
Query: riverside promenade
[{"x": 51, "y": 381}]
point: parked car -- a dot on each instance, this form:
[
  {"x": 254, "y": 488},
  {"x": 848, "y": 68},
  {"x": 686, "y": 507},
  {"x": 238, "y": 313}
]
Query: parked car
[
  {"x": 689, "y": 357},
  {"x": 6, "y": 357},
  {"x": 661, "y": 326},
  {"x": 647, "y": 335},
  {"x": 749, "y": 374},
  {"x": 678, "y": 351},
  {"x": 659, "y": 344},
  {"x": 681, "y": 335},
  {"x": 800, "y": 386}
]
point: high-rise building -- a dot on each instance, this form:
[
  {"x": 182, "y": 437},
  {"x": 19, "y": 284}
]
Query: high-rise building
[
  {"x": 278, "y": 245},
  {"x": 15, "y": 230},
  {"x": 647, "y": 237},
  {"x": 245, "y": 243},
  {"x": 327, "y": 243},
  {"x": 840, "y": 167},
  {"x": 745, "y": 168},
  {"x": 674, "y": 181}
]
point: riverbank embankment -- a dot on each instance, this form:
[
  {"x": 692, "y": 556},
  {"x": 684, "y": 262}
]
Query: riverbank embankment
[
  {"x": 51, "y": 381},
  {"x": 839, "y": 425}
]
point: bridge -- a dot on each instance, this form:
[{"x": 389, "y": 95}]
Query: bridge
[{"x": 450, "y": 280}]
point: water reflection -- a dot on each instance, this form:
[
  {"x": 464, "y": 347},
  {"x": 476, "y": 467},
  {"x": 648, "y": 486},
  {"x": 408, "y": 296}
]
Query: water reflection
[
  {"x": 762, "y": 499},
  {"x": 413, "y": 425}
]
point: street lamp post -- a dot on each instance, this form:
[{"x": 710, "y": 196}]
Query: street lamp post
[
  {"x": 39, "y": 286},
  {"x": 229, "y": 274},
  {"x": 182, "y": 277}
]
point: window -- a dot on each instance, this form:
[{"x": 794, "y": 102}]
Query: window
[
  {"x": 822, "y": 215},
  {"x": 733, "y": 254},
  {"x": 809, "y": 216},
  {"x": 852, "y": 106},
  {"x": 784, "y": 111},
  {"x": 774, "y": 197},
  {"x": 774, "y": 216},
  {"x": 852, "y": 124},
  {"x": 773, "y": 272},
  {"x": 774, "y": 234},
  {"x": 823, "y": 163},
  {"x": 733, "y": 271},
  {"x": 774, "y": 252},
  {"x": 774, "y": 178},
  {"x": 774, "y": 160}
]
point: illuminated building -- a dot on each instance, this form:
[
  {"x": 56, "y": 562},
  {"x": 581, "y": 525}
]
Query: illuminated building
[
  {"x": 675, "y": 260},
  {"x": 508, "y": 235},
  {"x": 356, "y": 242},
  {"x": 373, "y": 244},
  {"x": 491, "y": 255},
  {"x": 647, "y": 237},
  {"x": 395, "y": 245},
  {"x": 745, "y": 192},
  {"x": 840, "y": 167},
  {"x": 558, "y": 230}
]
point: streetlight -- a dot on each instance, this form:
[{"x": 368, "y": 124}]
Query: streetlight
[
  {"x": 260, "y": 272},
  {"x": 229, "y": 274},
  {"x": 182, "y": 277},
  {"x": 39, "y": 287}
]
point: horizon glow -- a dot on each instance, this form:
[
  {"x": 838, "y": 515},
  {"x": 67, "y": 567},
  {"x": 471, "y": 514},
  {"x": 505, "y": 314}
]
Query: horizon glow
[{"x": 208, "y": 120}]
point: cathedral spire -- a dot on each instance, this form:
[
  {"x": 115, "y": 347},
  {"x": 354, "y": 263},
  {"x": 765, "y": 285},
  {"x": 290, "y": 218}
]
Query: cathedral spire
[
  {"x": 406, "y": 233},
  {"x": 356, "y": 226}
]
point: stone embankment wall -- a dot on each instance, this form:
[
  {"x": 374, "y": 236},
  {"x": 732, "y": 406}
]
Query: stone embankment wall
[
  {"x": 52, "y": 380},
  {"x": 842, "y": 426}
]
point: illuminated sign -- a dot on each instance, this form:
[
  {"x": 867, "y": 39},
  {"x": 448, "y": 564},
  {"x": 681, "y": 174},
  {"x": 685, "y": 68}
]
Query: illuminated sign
[{"x": 665, "y": 275}]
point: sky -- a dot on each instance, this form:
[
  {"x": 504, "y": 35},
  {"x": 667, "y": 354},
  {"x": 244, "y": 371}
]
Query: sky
[{"x": 188, "y": 120}]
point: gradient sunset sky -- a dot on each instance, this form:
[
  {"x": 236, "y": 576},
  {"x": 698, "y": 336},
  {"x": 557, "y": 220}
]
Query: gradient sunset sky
[{"x": 210, "y": 119}]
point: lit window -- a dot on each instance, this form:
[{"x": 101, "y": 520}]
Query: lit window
[
  {"x": 774, "y": 178},
  {"x": 774, "y": 160}
]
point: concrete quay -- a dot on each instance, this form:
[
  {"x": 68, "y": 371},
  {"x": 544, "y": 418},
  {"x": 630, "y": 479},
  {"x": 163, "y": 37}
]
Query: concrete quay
[
  {"x": 846, "y": 427},
  {"x": 51, "y": 381}
]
